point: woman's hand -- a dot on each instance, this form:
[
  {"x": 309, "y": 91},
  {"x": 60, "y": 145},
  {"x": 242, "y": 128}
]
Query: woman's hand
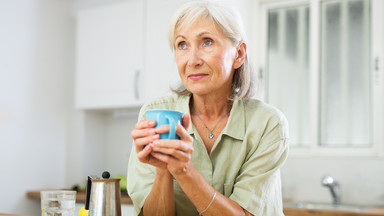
[
  {"x": 175, "y": 153},
  {"x": 143, "y": 135}
]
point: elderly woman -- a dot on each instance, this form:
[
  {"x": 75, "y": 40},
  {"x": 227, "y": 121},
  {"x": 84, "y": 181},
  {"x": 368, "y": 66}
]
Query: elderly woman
[{"x": 231, "y": 147}]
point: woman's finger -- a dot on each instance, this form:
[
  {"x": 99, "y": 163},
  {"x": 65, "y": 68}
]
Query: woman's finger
[
  {"x": 162, "y": 129},
  {"x": 145, "y": 124},
  {"x": 179, "y": 155},
  {"x": 172, "y": 144},
  {"x": 173, "y": 165},
  {"x": 143, "y": 129},
  {"x": 164, "y": 157},
  {"x": 142, "y": 155},
  {"x": 137, "y": 133},
  {"x": 183, "y": 134},
  {"x": 186, "y": 120},
  {"x": 145, "y": 156},
  {"x": 142, "y": 142},
  {"x": 176, "y": 148}
]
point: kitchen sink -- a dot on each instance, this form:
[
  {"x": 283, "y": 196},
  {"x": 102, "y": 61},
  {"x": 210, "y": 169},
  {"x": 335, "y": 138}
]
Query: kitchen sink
[{"x": 328, "y": 206}]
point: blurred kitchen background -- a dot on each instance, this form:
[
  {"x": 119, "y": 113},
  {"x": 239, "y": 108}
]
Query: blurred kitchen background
[{"x": 75, "y": 73}]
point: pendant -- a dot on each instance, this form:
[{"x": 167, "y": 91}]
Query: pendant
[{"x": 210, "y": 136}]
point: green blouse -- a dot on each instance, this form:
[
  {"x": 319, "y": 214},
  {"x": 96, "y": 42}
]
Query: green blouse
[{"x": 244, "y": 163}]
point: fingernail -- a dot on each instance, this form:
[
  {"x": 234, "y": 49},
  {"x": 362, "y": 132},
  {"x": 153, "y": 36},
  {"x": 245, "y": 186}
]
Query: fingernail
[
  {"x": 146, "y": 147},
  {"x": 156, "y": 142}
]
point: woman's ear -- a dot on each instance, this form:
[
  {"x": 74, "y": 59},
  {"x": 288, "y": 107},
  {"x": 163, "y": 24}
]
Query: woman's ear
[{"x": 241, "y": 52}]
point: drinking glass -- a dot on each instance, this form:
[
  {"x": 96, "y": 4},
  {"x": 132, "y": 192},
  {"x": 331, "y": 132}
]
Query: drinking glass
[{"x": 58, "y": 202}]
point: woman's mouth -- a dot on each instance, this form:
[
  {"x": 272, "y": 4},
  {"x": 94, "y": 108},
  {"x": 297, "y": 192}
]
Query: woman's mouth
[{"x": 197, "y": 76}]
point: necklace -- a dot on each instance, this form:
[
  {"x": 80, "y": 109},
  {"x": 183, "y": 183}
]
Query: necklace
[{"x": 210, "y": 135}]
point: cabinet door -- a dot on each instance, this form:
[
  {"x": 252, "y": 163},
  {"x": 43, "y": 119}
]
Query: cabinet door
[
  {"x": 109, "y": 55},
  {"x": 160, "y": 67}
]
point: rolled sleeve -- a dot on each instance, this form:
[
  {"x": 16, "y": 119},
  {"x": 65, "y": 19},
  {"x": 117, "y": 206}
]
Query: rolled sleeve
[{"x": 258, "y": 186}]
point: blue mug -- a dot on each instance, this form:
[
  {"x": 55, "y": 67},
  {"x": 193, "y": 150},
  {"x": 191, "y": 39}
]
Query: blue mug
[{"x": 166, "y": 117}]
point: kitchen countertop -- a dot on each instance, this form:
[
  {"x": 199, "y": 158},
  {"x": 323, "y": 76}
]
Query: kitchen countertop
[
  {"x": 315, "y": 212},
  {"x": 2, "y": 214},
  {"x": 288, "y": 211},
  {"x": 80, "y": 197}
]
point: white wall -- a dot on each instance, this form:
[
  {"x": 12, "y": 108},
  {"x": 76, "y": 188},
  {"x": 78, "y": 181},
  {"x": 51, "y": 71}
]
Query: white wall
[
  {"x": 99, "y": 141},
  {"x": 119, "y": 140},
  {"x": 361, "y": 179},
  {"x": 36, "y": 66}
]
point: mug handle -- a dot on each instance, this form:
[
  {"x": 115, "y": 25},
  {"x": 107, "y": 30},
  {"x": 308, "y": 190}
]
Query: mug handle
[{"x": 172, "y": 127}]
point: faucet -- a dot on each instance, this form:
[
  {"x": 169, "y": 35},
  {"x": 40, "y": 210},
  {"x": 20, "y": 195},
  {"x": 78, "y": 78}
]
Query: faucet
[{"x": 334, "y": 187}]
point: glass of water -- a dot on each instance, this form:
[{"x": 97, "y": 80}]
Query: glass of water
[{"x": 58, "y": 203}]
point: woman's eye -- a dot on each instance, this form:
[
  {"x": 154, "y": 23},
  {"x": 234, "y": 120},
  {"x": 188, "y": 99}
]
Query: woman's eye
[
  {"x": 207, "y": 42},
  {"x": 182, "y": 45}
]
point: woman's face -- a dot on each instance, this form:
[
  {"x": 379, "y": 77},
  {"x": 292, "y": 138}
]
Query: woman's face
[{"x": 205, "y": 58}]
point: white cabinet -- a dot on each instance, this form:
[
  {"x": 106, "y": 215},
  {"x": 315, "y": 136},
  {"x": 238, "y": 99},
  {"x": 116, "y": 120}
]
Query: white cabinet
[
  {"x": 123, "y": 56},
  {"x": 109, "y": 53}
]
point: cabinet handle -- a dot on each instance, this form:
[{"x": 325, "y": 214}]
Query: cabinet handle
[
  {"x": 377, "y": 63},
  {"x": 136, "y": 84},
  {"x": 260, "y": 74}
]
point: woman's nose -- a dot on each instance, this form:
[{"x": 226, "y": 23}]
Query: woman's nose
[{"x": 194, "y": 58}]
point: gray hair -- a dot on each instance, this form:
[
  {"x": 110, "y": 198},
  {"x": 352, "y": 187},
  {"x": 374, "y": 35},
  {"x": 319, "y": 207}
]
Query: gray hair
[{"x": 230, "y": 23}]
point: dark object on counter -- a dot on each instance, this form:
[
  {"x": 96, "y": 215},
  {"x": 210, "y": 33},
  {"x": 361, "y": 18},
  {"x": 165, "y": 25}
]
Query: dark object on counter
[
  {"x": 88, "y": 193},
  {"x": 106, "y": 175},
  {"x": 79, "y": 187},
  {"x": 76, "y": 187}
]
